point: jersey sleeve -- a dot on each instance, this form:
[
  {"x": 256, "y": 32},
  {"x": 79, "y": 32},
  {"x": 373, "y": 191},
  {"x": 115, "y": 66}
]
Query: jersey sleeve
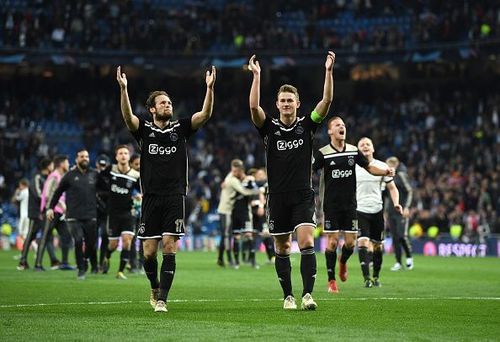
[
  {"x": 138, "y": 133},
  {"x": 318, "y": 160},
  {"x": 187, "y": 127},
  {"x": 361, "y": 159},
  {"x": 313, "y": 126},
  {"x": 263, "y": 131}
]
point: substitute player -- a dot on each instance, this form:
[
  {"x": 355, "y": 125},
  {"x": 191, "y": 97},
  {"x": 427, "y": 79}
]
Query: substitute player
[
  {"x": 337, "y": 162},
  {"x": 123, "y": 183},
  {"x": 164, "y": 177},
  {"x": 288, "y": 144},
  {"x": 371, "y": 214}
]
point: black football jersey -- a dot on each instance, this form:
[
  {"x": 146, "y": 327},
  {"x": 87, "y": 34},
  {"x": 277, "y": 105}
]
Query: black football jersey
[
  {"x": 338, "y": 175},
  {"x": 164, "y": 156},
  {"x": 122, "y": 187},
  {"x": 288, "y": 153}
]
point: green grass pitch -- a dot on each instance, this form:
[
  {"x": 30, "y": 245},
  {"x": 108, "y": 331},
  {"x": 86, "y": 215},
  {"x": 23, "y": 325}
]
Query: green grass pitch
[{"x": 442, "y": 299}]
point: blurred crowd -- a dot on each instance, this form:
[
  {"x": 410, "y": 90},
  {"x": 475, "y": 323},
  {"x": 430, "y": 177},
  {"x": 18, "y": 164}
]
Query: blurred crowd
[
  {"x": 448, "y": 137},
  {"x": 164, "y": 26}
]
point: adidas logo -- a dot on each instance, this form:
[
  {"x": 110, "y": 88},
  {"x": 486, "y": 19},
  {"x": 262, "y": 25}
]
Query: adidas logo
[
  {"x": 278, "y": 133},
  {"x": 152, "y": 135},
  {"x": 332, "y": 163}
]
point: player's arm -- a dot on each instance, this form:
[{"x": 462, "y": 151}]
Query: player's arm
[
  {"x": 236, "y": 185},
  {"x": 47, "y": 192},
  {"x": 63, "y": 186},
  {"x": 409, "y": 196},
  {"x": 378, "y": 171},
  {"x": 394, "y": 193},
  {"x": 407, "y": 185},
  {"x": 201, "y": 117},
  {"x": 256, "y": 111},
  {"x": 130, "y": 119},
  {"x": 321, "y": 109}
]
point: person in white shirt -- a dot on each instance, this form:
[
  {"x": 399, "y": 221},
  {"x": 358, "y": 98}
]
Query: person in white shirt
[
  {"x": 370, "y": 213},
  {"x": 231, "y": 187},
  {"x": 21, "y": 195}
]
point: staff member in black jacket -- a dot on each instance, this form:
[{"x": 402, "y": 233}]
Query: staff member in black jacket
[{"x": 81, "y": 213}]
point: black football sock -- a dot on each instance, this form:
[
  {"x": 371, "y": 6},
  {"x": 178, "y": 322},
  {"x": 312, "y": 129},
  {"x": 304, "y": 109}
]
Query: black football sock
[
  {"x": 251, "y": 253},
  {"x": 284, "y": 270},
  {"x": 124, "y": 255},
  {"x": 363, "y": 261},
  {"x": 151, "y": 270},
  {"x": 236, "y": 251},
  {"x": 167, "y": 275},
  {"x": 308, "y": 269},
  {"x": 369, "y": 258},
  {"x": 377, "y": 262},
  {"x": 331, "y": 261},
  {"x": 269, "y": 244},
  {"x": 346, "y": 254}
]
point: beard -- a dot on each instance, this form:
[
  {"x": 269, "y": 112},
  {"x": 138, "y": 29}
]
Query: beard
[
  {"x": 83, "y": 165},
  {"x": 163, "y": 116}
]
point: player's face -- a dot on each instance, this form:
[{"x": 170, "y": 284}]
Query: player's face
[
  {"x": 287, "y": 104},
  {"x": 236, "y": 172},
  {"x": 65, "y": 165},
  {"x": 122, "y": 156},
  {"x": 260, "y": 175},
  {"x": 366, "y": 147},
  {"x": 337, "y": 129},
  {"x": 136, "y": 164},
  {"x": 163, "y": 109},
  {"x": 82, "y": 159},
  {"x": 50, "y": 167}
]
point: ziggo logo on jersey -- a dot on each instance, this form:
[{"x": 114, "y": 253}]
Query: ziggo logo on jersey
[
  {"x": 341, "y": 174},
  {"x": 155, "y": 149},
  {"x": 283, "y": 145}
]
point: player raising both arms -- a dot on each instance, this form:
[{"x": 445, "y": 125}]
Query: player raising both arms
[
  {"x": 163, "y": 143},
  {"x": 288, "y": 143}
]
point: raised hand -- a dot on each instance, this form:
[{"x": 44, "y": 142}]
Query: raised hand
[
  {"x": 330, "y": 60},
  {"x": 121, "y": 78},
  {"x": 210, "y": 77},
  {"x": 254, "y": 66}
]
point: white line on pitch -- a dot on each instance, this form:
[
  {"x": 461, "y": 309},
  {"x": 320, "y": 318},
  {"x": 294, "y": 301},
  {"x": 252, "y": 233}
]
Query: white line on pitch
[{"x": 251, "y": 300}]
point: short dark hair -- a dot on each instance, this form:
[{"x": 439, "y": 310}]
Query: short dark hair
[
  {"x": 335, "y": 117},
  {"x": 150, "y": 102},
  {"x": 24, "y": 182},
  {"x": 134, "y": 157},
  {"x": 44, "y": 163},
  {"x": 119, "y": 147},
  {"x": 59, "y": 159},
  {"x": 81, "y": 149},
  {"x": 287, "y": 88}
]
